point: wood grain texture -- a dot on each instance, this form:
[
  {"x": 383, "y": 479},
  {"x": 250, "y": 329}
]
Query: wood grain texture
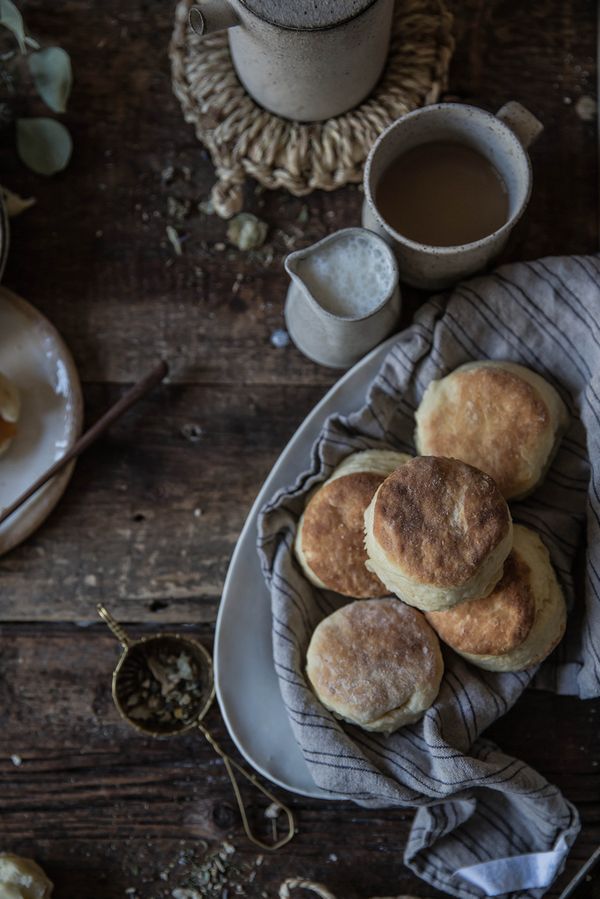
[
  {"x": 91, "y": 796},
  {"x": 103, "y": 809},
  {"x": 154, "y": 509}
]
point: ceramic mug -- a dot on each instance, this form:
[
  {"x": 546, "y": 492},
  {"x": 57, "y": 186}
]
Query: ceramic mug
[
  {"x": 502, "y": 139},
  {"x": 339, "y": 340}
]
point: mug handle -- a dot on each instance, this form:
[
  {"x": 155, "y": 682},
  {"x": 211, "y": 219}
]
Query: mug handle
[{"x": 521, "y": 121}]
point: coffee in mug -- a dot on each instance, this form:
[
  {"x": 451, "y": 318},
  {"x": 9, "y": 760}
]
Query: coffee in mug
[{"x": 443, "y": 194}]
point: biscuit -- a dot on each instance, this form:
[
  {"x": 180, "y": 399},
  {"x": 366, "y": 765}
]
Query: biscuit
[
  {"x": 22, "y": 878},
  {"x": 437, "y": 533},
  {"x": 10, "y": 408},
  {"x": 497, "y": 416},
  {"x": 375, "y": 663},
  {"x": 329, "y": 541},
  {"x": 522, "y": 619}
]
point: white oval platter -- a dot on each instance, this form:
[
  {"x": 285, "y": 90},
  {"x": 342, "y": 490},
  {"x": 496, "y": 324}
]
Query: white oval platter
[{"x": 246, "y": 684}]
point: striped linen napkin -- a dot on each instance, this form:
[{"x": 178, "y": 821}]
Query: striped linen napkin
[{"x": 486, "y": 824}]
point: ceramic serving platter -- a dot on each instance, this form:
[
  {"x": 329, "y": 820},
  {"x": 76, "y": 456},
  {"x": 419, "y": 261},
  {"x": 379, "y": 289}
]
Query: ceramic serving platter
[
  {"x": 35, "y": 358},
  {"x": 246, "y": 684}
]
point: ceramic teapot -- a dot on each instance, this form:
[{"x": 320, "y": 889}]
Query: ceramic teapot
[{"x": 306, "y": 60}]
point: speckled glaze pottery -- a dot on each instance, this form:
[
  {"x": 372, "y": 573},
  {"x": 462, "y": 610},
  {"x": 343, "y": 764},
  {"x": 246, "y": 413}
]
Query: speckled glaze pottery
[
  {"x": 501, "y": 138},
  {"x": 337, "y": 341},
  {"x": 305, "y": 61}
]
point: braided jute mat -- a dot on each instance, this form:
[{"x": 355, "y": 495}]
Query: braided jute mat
[{"x": 245, "y": 140}]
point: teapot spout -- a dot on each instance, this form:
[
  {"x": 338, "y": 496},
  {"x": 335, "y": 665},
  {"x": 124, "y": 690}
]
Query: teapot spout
[{"x": 212, "y": 15}]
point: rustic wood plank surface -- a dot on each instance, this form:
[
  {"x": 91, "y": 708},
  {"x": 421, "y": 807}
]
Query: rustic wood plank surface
[{"x": 152, "y": 514}]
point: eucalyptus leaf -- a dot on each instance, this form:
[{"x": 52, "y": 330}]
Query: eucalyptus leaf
[
  {"x": 52, "y": 76},
  {"x": 11, "y": 18},
  {"x": 44, "y": 145}
]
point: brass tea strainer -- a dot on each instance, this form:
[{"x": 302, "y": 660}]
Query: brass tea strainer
[{"x": 163, "y": 686}]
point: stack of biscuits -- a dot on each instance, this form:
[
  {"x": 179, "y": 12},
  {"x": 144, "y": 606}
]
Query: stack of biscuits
[{"x": 427, "y": 549}]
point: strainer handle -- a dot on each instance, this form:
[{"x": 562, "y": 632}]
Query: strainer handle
[
  {"x": 293, "y": 883},
  {"x": 113, "y": 626},
  {"x": 230, "y": 764}
]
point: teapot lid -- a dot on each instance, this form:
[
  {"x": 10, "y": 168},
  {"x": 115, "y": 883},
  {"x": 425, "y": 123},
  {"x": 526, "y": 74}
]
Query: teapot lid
[{"x": 307, "y": 15}]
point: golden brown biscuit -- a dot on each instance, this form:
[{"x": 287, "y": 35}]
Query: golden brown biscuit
[
  {"x": 498, "y": 416},
  {"x": 10, "y": 407},
  {"x": 437, "y": 533},
  {"x": 375, "y": 663},
  {"x": 495, "y": 624},
  {"x": 522, "y": 619},
  {"x": 330, "y": 542}
]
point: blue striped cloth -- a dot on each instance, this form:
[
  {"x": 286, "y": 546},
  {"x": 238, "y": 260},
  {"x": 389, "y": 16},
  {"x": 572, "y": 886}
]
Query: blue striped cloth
[{"x": 486, "y": 824}]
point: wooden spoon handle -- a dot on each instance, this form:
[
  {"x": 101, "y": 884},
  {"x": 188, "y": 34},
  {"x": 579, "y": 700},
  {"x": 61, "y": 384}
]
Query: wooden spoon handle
[{"x": 147, "y": 383}]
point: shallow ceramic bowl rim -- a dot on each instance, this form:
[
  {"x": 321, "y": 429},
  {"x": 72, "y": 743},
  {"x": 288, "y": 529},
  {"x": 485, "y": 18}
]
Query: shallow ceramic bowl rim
[{"x": 42, "y": 504}]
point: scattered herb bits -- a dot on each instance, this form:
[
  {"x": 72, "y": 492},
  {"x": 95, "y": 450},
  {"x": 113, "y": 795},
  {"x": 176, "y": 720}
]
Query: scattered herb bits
[{"x": 162, "y": 686}]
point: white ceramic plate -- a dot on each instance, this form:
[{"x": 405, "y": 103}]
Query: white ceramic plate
[
  {"x": 34, "y": 357},
  {"x": 247, "y": 687}
]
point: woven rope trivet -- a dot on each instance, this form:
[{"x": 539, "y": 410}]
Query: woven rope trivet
[{"x": 245, "y": 140}]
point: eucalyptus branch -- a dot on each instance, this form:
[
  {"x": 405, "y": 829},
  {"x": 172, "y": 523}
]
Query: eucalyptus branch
[{"x": 43, "y": 144}]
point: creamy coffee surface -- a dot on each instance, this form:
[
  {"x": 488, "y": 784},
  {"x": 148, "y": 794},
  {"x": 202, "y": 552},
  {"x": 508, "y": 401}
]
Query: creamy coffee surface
[{"x": 442, "y": 194}]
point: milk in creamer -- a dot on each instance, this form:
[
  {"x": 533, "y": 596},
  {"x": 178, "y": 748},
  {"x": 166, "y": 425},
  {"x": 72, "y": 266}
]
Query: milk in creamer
[{"x": 349, "y": 277}]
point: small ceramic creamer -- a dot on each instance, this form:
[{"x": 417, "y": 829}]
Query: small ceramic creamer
[
  {"x": 304, "y": 60},
  {"x": 343, "y": 298}
]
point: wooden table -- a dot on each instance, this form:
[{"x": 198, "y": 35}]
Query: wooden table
[{"x": 105, "y": 811}]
